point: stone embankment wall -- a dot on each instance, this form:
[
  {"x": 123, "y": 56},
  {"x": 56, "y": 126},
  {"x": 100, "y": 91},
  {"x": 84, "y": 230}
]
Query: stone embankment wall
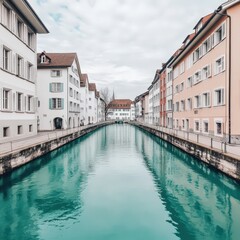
[
  {"x": 15, "y": 159},
  {"x": 226, "y": 163}
]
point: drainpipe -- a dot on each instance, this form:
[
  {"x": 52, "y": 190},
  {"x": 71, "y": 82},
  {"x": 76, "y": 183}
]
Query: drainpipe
[{"x": 229, "y": 69}]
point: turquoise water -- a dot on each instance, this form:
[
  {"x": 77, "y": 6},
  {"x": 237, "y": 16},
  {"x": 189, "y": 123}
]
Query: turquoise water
[{"x": 118, "y": 183}]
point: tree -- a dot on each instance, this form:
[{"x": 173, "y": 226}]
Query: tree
[{"x": 106, "y": 97}]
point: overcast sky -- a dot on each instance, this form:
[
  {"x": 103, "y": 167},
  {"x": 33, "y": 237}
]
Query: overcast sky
[{"x": 120, "y": 43}]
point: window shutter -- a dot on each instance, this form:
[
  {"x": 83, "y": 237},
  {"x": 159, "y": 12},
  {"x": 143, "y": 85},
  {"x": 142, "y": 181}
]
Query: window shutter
[
  {"x": 200, "y": 51},
  {"x": 1, "y": 56},
  {"x": 35, "y": 104},
  {"x": 62, "y": 100},
  {"x": 1, "y": 100},
  {"x": 25, "y": 33},
  {"x": 50, "y": 103},
  {"x": 14, "y": 63},
  {"x": 61, "y": 87},
  {"x": 209, "y": 71},
  {"x": 24, "y": 103},
  {"x": 223, "y": 63},
  {"x": 14, "y": 22},
  {"x": 223, "y": 97},
  {"x": 14, "y": 102},
  {"x": 224, "y": 30},
  {"x": 50, "y": 87},
  {"x": 213, "y": 40}
]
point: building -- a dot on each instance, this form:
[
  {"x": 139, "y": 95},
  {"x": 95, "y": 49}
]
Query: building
[
  {"x": 92, "y": 104},
  {"x": 121, "y": 109},
  {"x": 140, "y": 107},
  {"x": 101, "y": 108},
  {"x": 19, "y": 26},
  {"x": 206, "y": 77},
  {"x": 58, "y": 89}
]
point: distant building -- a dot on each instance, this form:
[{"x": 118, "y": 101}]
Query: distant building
[
  {"x": 92, "y": 104},
  {"x": 58, "y": 90},
  {"x": 19, "y": 26},
  {"x": 121, "y": 109}
]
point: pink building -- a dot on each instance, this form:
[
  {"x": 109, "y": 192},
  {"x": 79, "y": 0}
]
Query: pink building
[{"x": 206, "y": 83}]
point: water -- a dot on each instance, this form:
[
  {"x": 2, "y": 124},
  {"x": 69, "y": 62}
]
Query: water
[{"x": 118, "y": 183}]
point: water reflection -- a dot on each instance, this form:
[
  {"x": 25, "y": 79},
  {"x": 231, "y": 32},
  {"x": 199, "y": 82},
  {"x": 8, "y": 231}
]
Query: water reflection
[
  {"x": 201, "y": 202},
  {"x": 44, "y": 191}
]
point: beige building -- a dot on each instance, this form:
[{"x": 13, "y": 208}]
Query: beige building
[{"x": 206, "y": 84}]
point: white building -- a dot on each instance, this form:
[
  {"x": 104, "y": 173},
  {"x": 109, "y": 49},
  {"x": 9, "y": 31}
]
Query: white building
[
  {"x": 121, "y": 109},
  {"x": 169, "y": 97},
  {"x": 84, "y": 96},
  {"x": 156, "y": 99},
  {"x": 92, "y": 104},
  {"x": 58, "y": 88},
  {"x": 101, "y": 108},
  {"x": 19, "y": 26}
]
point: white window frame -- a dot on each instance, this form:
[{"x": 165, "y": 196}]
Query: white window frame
[
  {"x": 219, "y": 68},
  {"x": 205, "y": 120},
  {"x": 54, "y": 73},
  {"x": 215, "y": 96},
  {"x": 208, "y": 95},
  {"x": 197, "y": 121},
  {"x": 216, "y": 121}
]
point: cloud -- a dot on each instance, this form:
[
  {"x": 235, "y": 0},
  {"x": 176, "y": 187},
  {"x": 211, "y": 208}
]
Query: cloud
[{"x": 120, "y": 43}]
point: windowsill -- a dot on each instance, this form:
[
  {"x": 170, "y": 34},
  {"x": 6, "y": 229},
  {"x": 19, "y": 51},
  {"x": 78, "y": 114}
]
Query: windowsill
[
  {"x": 220, "y": 105},
  {"x": 6, "y": 110},
  {"x": 216, "y": 74}
]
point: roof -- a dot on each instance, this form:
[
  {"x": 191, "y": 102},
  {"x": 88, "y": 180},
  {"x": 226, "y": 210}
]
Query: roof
[
  {"x": 203, "y": 20},
  {"x": 92, "y": 87},
  {"x": 56, "y": 59},
  {"x": 83, "y": 79},
  {"x": 120, "y": 104},
  {"x": 25, "y": 8}
]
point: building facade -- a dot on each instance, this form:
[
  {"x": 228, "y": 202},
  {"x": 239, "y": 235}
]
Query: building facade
[
  {"x": 121, "y": 109},
  {"x": 58, "y": 89},
  {"x": 206, "y": 82},
  {"x": 19, "y": 26}
]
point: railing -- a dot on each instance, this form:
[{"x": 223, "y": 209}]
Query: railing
[
  {"x": 204, "y": 140},
  {"x": 41, "y": 137}
]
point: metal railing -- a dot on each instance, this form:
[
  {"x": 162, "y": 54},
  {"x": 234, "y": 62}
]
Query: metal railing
[
  {"x": 41, "y": 137},
  {"x": 198, "y": 138}
]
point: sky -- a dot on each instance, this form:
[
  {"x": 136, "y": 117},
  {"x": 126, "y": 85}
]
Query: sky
[{"x": 120, "y": 43}]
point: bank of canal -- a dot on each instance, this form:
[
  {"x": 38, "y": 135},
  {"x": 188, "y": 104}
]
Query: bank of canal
[{"x": 118, "y": 183}]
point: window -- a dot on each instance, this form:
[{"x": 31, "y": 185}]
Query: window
[
  {"x": 197, "y": 77},
  {"x": 19, "y": 28},
  {"x": 30, "y": 38},
  {"x": 219, "y": 65},
  {"x": 177, "y": 89},
  {"x": 190, "y": 61},
  {"x": 177, "y": 107},
  {"x": 19, "y": 129},
  {"x": 189, "y": 104},
  {"x": 182, "y": 105},
  {"x": 19, "y": 102},
  {"x": 197, "y": 54},
  {"x": 56, "y": 103},
  {"x": 30, "y": 128},
  {"x": 197, "y": 101},
  {"x": 219, "y": 97},
  {"x": 189, "y": 82},
  {"x": 182, "y": 67},
  {"x": 30, "y": 103},
  {"x": 183, "y": 124},
  {"x": 181, "y": 87},
  {"x": 197, "y": 126},
  {"x": 6, "y": 59},
  {"x": 205, "y": 126},
  {"x": 220, "y": 34},
  {"x": 5, "y": 131},
  {"x": 70, "y": 92},
  {"x": 206, "y": 72},
  {"x": 29, "y": 71},
  {"x": 6, "y": 99},
  {"x": 206, "y": 99},
  {"x": 56, "y": 87},
  {"x": 19, "y": 66},
  {"x": 207, "y": 45},
  {"x": 218, "y": 129},
  {"x": 6, "y": 16},
  {"x": 56, "y": 73}
]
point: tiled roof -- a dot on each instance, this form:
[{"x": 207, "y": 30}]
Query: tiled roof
[
  {"x": 83, "y": 79},
  {"x": 120, "y": 104},
  {"x": 56, "y": 59},
  {"x": 92, "y": 87},
  {"x": 204, "y": 19}
]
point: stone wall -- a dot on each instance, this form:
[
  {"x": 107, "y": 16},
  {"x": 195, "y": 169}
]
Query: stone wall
[
  {"x": 226, "y": 163},
  {"x": 16, "y": 159}
]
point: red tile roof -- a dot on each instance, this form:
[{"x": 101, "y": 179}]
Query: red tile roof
[
  {"x": 204, "y": 19},
  {"x": 120, "y": 104},
  {"x": 83, "y": 80},
  {"x": 56, "y": 59},
  {"x": 92, "y": 87}
]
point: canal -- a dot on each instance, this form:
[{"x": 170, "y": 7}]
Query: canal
[{"x": 118, "y": 183}]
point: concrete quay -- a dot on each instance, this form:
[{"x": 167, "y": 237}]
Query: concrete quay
[{"x": 17, "y": 153}]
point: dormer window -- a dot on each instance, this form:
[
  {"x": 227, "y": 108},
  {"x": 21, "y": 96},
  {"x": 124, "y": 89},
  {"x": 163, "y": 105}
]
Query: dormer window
[
  {"x": 43, "y": 59},
  {"x": 199, "y": 26}
]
